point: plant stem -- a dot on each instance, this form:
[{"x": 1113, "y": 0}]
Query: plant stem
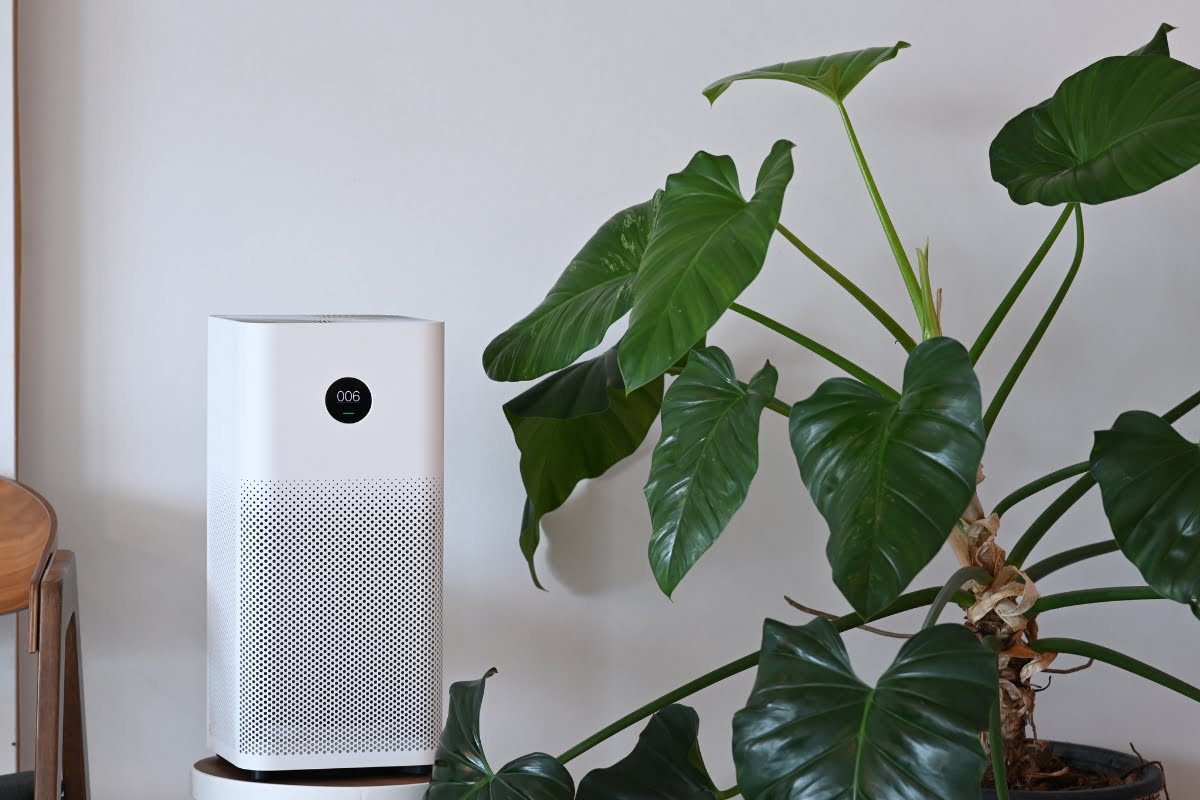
[
  {"x": 637, "y": 715},
  {"x": 732, "y": 791},
  {"x": 1120, "y": 660},
  {"x": 1033, "y": 487},
  {"x": 1083, "y": 597},
  {"x": 993, "y": 323},
  {"x": 906, "y": 270},
  {"x": 1068, "y": 557},
  {"x": 1063, "y": 502},
  {"x": 953, "y": 586},
  {"x": 779, "y": 407},
  {"x": 1053, "y": 513},
  {"x": 926, "y": 286},
  {"x": 905, "y": 602},
  {"x": 1014, "y": 372},
  {"x": 894, "y": 327},
  {"x": 1183, "y": 408},
  {"x": 996, "y": 747},
  {"x": 824, "y": 352}
]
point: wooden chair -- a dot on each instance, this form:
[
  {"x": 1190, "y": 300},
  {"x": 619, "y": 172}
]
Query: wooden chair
[{"x": 34, "y": 575}]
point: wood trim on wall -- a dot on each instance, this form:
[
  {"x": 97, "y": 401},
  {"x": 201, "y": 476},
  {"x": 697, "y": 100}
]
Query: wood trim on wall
[{"x": 13, "y": 623}]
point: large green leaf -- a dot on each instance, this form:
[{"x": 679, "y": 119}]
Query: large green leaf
[
  {"x": 709, "y": 245},
  {"x": 812, "y": 730},
  {"x": 833, "y": 76},
  {"x": 460, "y": 768},
  {"x": 574, "y": 425},
  {"x": 891, "y": 477},
  {"x": 594, "y": 291},
  {"x": 1158, "y": 45},
  {"x": 1149, "y": 479},
  {"x": 1116, "y": 128},
  {"x": 705, "y": 460},
  {"x": 664, "y": 765}
]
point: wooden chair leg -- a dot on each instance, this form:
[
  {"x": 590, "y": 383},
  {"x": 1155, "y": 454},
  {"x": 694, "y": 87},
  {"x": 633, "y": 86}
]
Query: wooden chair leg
[
  {"x": 74, "y": 744},
  {"x": 60, "y": 750}
]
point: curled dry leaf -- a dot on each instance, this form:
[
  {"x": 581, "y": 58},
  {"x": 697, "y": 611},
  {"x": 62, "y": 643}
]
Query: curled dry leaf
[
  {"x": 1010, "y": 596},
  {"x": 1038, "y": 664}
]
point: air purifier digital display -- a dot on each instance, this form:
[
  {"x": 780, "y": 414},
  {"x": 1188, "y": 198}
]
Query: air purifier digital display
[
  {"x": 348, "y": 400},
  {"x": 324, "y": 541}
]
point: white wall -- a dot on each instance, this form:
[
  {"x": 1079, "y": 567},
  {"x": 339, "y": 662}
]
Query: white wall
[{"x": 447, "y": 159}]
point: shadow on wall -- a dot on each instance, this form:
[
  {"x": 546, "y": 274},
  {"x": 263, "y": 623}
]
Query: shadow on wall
[
  {"x": 51, "y": 287},
  {"x": 140, "y": 561},
  {"x": 592, "y": 546}
]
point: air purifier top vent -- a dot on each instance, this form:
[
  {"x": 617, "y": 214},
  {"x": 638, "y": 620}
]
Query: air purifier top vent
[{"x": 324, "y": 318}]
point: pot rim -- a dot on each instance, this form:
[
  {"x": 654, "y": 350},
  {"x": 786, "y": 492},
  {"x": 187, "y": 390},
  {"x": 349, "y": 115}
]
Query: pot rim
[{"x": 1152, "y": 779}]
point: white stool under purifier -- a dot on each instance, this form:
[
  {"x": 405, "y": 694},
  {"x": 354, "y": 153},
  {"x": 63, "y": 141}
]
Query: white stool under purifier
[{"x": 324, "y": 541}]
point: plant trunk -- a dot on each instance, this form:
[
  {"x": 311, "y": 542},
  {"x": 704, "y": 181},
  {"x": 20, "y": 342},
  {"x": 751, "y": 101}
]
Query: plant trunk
[{"x": 1016, "y": 719}]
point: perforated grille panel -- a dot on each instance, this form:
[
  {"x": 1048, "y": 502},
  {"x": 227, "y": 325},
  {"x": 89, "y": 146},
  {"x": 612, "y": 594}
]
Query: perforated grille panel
[
  {"x": 339, "y": 642},
  {"x": 222, "y": 608}
]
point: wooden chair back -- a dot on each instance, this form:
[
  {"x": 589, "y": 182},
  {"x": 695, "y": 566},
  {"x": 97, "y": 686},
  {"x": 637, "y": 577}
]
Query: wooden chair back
[
  {"x": 28, "y": 532},
  {"x": 34, "y": 575}
]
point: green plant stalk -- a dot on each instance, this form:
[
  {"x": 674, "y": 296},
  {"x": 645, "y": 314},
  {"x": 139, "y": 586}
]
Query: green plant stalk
[
  {"x": 867, "y": 302},
  {"x": 1178, "y": 411},
  {"x": 1066, "y": 558},
  {"x": 906, "y": 270},
  {"x": 926, "y": 286},
  {"x": 779, "y": 407},
  {"x": 1053, "y": 513},
  {"x": 905, "y": 602},
  {"x": 1040, "y": 526},
  {"x": 995, "y": 737},
  {"x": 1083, "y": 597},
  {"x": 993, "y": 323},
  {"x": 952, "y": 587},
  {"x": 1033, "y": 487},
  {"x": 1077, "y": 647},
  {"x": 1014, "y": 372},
  {"x": 732, "y": 791},
  {"x": 838, "y": 360}
]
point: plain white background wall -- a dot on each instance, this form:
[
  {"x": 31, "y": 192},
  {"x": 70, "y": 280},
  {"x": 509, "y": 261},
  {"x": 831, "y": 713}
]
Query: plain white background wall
[{"x": 447, "y": 160}]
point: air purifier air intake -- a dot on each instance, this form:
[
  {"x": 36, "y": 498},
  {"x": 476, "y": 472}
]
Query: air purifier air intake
[{"x": 324, "y": 541}]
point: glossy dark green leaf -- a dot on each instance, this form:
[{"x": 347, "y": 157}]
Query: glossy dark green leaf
[
  {"x": 833, "y": 76},
  {"x": 1158, "y": 45},
  {"x": 705, "y": 460},
  {"x": 1116, "y": 128},
  {"x": 664, "y": 765},
  {"x": 1149, "y": 478},
  {"x": 812, "y": 730},
  {"x": 709, "y": 245},
  {"x": 594, "y": 291},
  {"x": 460, "y": 768},
  {"x": 574, "y": 425},
  {"x": 891, "y": 477}
]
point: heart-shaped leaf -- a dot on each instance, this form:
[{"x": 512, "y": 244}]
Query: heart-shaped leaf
[
  {"x": 461, "y": 770},
  {"x": 1116, "y": 128},
  {"x": 1149, "y": 479},
  {"x": 891, "y": 477},
  {"x": 573, "y": 425},
  {"x": 594, "y": 291},
  {"x": 833, "y": 76},
  {"x": 664, "y": 765},
  {"x": 709, "y": 245},
  {"x": 812, "y": 729},
  {"x": 705, "y": 460}
]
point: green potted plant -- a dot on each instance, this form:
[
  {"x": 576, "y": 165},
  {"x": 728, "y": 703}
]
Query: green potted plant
[{"x": 893, "y": 470}]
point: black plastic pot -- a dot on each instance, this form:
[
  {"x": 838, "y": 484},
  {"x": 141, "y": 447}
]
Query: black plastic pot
[{"x": 1148, "y": 786}]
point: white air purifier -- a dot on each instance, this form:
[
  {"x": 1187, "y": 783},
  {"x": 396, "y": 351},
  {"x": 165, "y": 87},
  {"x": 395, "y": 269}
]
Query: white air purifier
[{"x": 324, "y": 541}]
